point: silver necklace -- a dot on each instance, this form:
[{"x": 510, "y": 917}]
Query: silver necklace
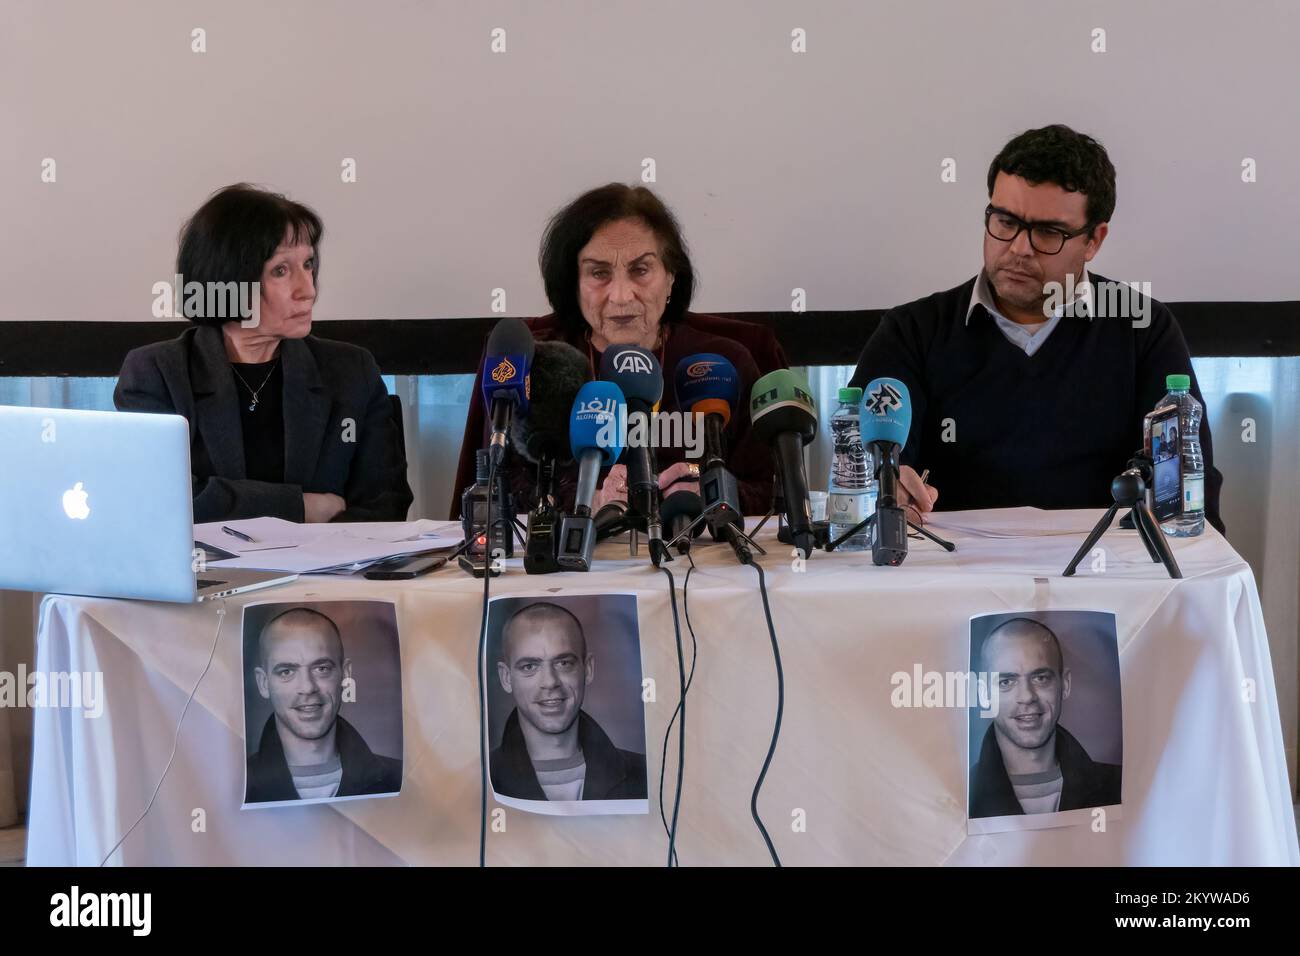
[{"x": 254, "y": 392}]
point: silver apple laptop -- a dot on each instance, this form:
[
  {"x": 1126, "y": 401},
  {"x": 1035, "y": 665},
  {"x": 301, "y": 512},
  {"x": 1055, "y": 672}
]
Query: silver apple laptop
[{"x": 98, "y": 503}]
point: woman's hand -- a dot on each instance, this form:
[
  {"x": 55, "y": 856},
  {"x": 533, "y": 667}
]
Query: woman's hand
[
  {"x": 613, "y": 488},
  {"x": 319, "y": 508},
  {"x": 677, "y": 471}
]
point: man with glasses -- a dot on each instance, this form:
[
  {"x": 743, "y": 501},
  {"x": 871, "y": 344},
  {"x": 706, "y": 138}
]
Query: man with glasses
[{"x": 1029, "y": 382}]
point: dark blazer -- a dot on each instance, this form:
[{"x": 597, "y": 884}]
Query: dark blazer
[
  {"x": 751, "y": 348},
  {"x": 1084, "y": 781},
  {"x": 612, "y": 774},
  {"x": 325, "y": 382},
  {"x": 363, "y": 771}
]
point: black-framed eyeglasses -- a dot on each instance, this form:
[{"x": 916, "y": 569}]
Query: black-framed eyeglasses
[{"x": 1048, "y": 240}]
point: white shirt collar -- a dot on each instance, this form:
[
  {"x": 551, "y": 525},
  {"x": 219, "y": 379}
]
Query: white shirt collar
[{"x": 982, "y": 294}]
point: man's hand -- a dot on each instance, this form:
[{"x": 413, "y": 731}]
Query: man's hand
[
  {"x": 916, "y": 497},
  {"x": 317, "y": 508}
]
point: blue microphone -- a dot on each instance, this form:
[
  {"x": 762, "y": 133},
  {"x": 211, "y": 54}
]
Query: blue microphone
[
  {"x": 884, "y": 423},
  {"x": 708, "y": 385},
  {"x": 506, "y": 381},
  {"x": 596, "y": 438}
]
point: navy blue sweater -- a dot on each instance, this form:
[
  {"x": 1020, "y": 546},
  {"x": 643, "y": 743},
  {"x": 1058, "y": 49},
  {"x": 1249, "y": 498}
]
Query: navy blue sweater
[{"x": 1049, "y": 430}]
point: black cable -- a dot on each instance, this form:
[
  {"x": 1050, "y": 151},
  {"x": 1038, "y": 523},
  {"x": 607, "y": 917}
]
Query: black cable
[
  {"x": 780, "y": 708},
  {"x": 663, "y": 763},
  {"x": 479, "y": 667},
  {"x": 681, "y": 725}
]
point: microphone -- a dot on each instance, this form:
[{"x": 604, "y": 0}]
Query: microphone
[
  {"x": 782, "y": 413},
  {"x": 679, "y": 511},
  {"x": 541, "y": 437},
  {"x": 709, "y": 386},
  {"x": 637, "y": 373},
  {"x": 885, "y": 421},
  {"x": 506, "y": 381},
  {"x": 595, "y": 442}
]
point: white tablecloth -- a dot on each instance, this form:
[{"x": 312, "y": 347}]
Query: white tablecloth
[{"x": 1204, "y": 779}]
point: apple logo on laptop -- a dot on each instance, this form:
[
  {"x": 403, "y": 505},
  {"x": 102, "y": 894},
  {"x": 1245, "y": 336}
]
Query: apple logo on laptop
[{"x": 74, "y": 503}]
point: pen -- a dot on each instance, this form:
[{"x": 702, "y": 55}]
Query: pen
[{"x": 238, "y": 534}]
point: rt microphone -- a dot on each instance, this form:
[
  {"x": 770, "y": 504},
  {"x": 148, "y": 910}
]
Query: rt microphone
[
  {"x": 637, "y": 373},
  {"x": 885, "y": 421},
  {"x": 782, "y": 413},
  {"x": 506, "y": 379},
  {"x": 595, "y": 442}
]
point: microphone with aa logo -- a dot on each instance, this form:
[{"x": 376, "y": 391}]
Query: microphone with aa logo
[
  {"x": 595, "y": 442},
  {"x": 637, "y": 373}
]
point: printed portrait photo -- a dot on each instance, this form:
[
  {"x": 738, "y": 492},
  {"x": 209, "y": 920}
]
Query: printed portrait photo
[
  {"x": 1049, "y": 746},
  {"x": 566, "y": 721},
  {"x": 322, "y": 702}
]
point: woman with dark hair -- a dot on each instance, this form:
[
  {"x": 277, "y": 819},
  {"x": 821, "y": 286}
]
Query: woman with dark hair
[
  {"x": 617, "y": 272},
  {"x": 282, "y": 423}
]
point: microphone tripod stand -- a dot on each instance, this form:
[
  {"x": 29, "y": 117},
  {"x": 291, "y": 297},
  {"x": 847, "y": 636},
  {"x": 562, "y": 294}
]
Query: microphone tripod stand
[
  {"x": 870, "y": 519},
  {"x": 1129, "y": 490}
]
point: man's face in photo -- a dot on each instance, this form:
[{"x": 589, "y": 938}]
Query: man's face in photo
[
  {"x": 302, "y": 673},
  {"x": 1031, "y": 683},
  {"x": 545, "y": 668}
]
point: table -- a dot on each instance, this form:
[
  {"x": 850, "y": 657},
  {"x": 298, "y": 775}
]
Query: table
[{"x": 1205, "y": 780}]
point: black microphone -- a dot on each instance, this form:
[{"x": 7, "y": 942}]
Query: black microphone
[
  {"x": 506, "y": 382},
  {"x": 679, "y": 511},
  {"x": 542, "y": 438},
  {"x": 782, "y": 413},
  {"x": 637, "y": 373}
]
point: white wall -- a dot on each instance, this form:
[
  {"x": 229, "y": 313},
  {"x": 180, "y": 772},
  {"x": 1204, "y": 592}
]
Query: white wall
[{"x": 818, "y": 170}]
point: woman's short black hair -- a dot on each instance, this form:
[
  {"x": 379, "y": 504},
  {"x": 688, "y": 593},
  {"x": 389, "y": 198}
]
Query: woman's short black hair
[
  {"x": 1057, "y": 154},
  {"x": 236, "y": 231},
  {"x": 572, "y": 227}
]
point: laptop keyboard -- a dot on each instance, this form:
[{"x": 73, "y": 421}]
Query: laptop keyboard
[{"x": 206, "y": 583}]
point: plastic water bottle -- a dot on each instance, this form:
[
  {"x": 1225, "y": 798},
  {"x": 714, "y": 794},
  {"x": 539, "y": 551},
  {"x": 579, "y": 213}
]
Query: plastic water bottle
[
  {"x": 1192, "y": 521},
  {"x": 851, "y": 490}
]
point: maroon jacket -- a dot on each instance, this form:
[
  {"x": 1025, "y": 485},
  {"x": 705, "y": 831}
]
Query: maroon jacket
[{"x": 749, "y": 460}]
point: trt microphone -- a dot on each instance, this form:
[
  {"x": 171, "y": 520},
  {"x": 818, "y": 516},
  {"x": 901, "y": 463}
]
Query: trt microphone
[
  {"x": 885, "y": 421},
  {"x": 541, "y": 437},
  {"x": 636, "y": 371},
  {"x": 595, "y": 442},
  {"x": 782, "y": 413},
  {"x": 506, "y": 379},
  {"x": 709, "y": 386}
]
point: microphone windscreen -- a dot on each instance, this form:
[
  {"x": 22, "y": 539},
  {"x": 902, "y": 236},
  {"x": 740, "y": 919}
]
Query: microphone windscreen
[
  {"x": 707, "y": 383},
  {"x": 558, "y": 373},
  {"x": 886, "y": 414},
  {"x": 508, "y": 363},
  {"x": 635, "y": 371},
  {"x": 686, "y": 504},
  {"x": 781, "y": 401},
  {"x": 594, "y": 421}
]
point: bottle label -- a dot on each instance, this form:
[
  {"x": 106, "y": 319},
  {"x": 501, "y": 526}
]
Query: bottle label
[
  {"x": 846, "y": 509},
  {"x": 1193, "y": 494}
]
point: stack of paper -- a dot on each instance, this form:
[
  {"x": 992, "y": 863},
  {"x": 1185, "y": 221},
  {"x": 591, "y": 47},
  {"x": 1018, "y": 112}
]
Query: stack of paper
[{"x": 279, "y": 545}]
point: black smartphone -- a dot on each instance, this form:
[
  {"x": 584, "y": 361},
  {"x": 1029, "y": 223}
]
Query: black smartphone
[
  {"x": 1164, "y": 444},
  {"x": 410, "y": 566}
]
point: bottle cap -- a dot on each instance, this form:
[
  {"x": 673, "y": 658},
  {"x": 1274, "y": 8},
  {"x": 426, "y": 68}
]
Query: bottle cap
[
  {"x": 851, "y": 395},
  {"x": 1178, "y": 382}
]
